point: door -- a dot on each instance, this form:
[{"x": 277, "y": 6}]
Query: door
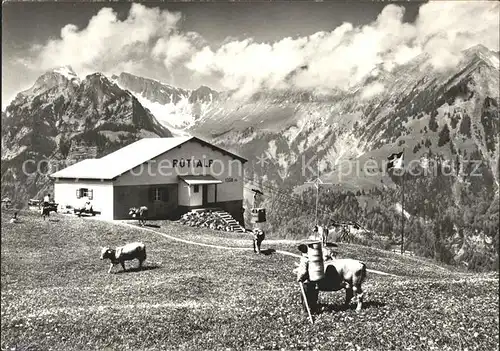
[
  {"x": 211, "y": 193},
  {"x": 204, "y": 196}
]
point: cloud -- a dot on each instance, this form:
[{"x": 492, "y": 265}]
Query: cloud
[
  {"x": 372, "y": 90},
  {"x": 342, "y": 58},
  {"x": 108, "y": 43},
  {"x": 247, "y": 66},
  {"x": 447, "y": 28},
  {"x": 339, "y": 59},
  {"x": 177, "y": 48}
]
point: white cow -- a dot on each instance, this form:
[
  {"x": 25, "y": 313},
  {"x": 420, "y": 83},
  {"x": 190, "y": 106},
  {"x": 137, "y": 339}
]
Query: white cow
[{"x": 124, "y": 253}]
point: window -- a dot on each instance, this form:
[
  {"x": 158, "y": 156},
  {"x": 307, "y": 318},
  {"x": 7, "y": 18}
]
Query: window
[
  {"x": 84, "y": 192},
  {"x": 157, "y": 194},
  {"x": 196, "y": 188}
]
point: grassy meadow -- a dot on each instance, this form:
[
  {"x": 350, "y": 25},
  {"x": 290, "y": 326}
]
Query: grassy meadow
[{"x": 57, "y": 295}]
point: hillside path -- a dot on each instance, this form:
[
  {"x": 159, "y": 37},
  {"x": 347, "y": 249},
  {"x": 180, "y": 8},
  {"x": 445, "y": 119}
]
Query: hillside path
[{"x": 286, "y": 253}]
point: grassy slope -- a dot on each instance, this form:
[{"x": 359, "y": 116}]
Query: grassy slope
[{"x": 57, "y": 295}]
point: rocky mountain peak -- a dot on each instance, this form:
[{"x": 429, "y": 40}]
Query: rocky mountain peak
[
  {"x": 203, "y": 94},
  {"x": 62, "y": 79},
  {"x": 150, "y": 89},
  {"x": 482, "y": 53},
  {"x": 61, "y": 114},
  {"x": 66, "y": 71},
  {"x": 477, "y": 49},
  {"x": 100, "y": 84}
]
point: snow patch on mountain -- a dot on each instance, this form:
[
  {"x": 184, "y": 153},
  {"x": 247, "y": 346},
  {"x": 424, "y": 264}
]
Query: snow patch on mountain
[
  {"x": 175, "y": 108},
  {"x": 272, "y": 148},
  {"x": 346, "y": 147},
  {"x": 294, "y": 131},
  {"x": 315, "y": 136},
  {"x": 67, "y": 72},
  {"x": 178, "y": 116},
  {"x": 281, "y": 160},
  {"x": 372, "y": 90},
  {"x": 169, "y": 115},
  {"x": 8, "y": 154},
  {"x": 301, "y": 146},
  {"x": 490, "y": 58},
  {"x": 284, "y": 165}
]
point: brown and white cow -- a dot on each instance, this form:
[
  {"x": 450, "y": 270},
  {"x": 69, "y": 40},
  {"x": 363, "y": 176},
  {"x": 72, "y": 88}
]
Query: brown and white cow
[
  {"x": 344, "y": 273},
  {"x": 124, "y": 253}
]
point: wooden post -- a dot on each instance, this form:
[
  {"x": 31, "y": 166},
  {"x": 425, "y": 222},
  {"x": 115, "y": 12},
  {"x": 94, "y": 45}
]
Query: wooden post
[
  {"x": 403, "y": 215},
  {"x": 305, "y": 302},
  {"x": 403, "y": 208}
]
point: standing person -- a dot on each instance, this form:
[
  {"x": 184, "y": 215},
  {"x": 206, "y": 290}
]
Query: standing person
[
  {"x": 46, "y": 200},
  {"x": 88, "y": 206},
  {"x": 258, "y": 238}
]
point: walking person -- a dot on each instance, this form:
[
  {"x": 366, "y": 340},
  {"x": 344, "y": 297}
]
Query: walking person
[{"x": 258, "y": 238}]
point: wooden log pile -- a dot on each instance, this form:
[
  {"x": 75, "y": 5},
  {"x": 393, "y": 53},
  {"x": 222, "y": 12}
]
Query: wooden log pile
[{"x": 210, "y": 220}]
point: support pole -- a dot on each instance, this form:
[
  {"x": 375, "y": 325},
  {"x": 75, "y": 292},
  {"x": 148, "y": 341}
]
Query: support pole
[
  {"x": 403, "y": 210},
  {"x": 317, "y": 182},
  {"x": 305, "y": 302},
  {"x": 317, "y": 202},
  {"x": 403, "y": 216}
]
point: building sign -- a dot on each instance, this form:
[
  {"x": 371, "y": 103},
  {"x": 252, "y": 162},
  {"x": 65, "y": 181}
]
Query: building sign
[{"x": 191, "y": 163}]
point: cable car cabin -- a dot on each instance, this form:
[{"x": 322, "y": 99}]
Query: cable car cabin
[{"x": 258, "y": 215}]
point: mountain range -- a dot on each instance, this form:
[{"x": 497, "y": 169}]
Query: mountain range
[
  {"x": 286, "y": 134},
  {"x": 386, "y": 112},
  {"x": 62, "y": 119}
]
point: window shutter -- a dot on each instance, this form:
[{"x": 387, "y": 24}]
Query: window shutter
[
  {"x": 78, "y": 193},
  {"x": 91, "y": 194},
  {"x": 151, "y": 194},
  {"x": 164, "y": 194}
]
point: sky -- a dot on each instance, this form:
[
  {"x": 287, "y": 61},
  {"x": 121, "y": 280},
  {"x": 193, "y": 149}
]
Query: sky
[{"x": 242, "y": 46}]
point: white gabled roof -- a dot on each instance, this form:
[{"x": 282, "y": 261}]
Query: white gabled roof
[
  {"x": 84, "y": 169},
  {"x": 200, "y": 179},
  {"x": 137, "y": 153},
  {"x": 127, "y": 158}
]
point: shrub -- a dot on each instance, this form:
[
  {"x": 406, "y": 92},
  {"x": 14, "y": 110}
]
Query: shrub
[
  {"x": 433, "y": 125},
  {"x": 444, "y": 136}
]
